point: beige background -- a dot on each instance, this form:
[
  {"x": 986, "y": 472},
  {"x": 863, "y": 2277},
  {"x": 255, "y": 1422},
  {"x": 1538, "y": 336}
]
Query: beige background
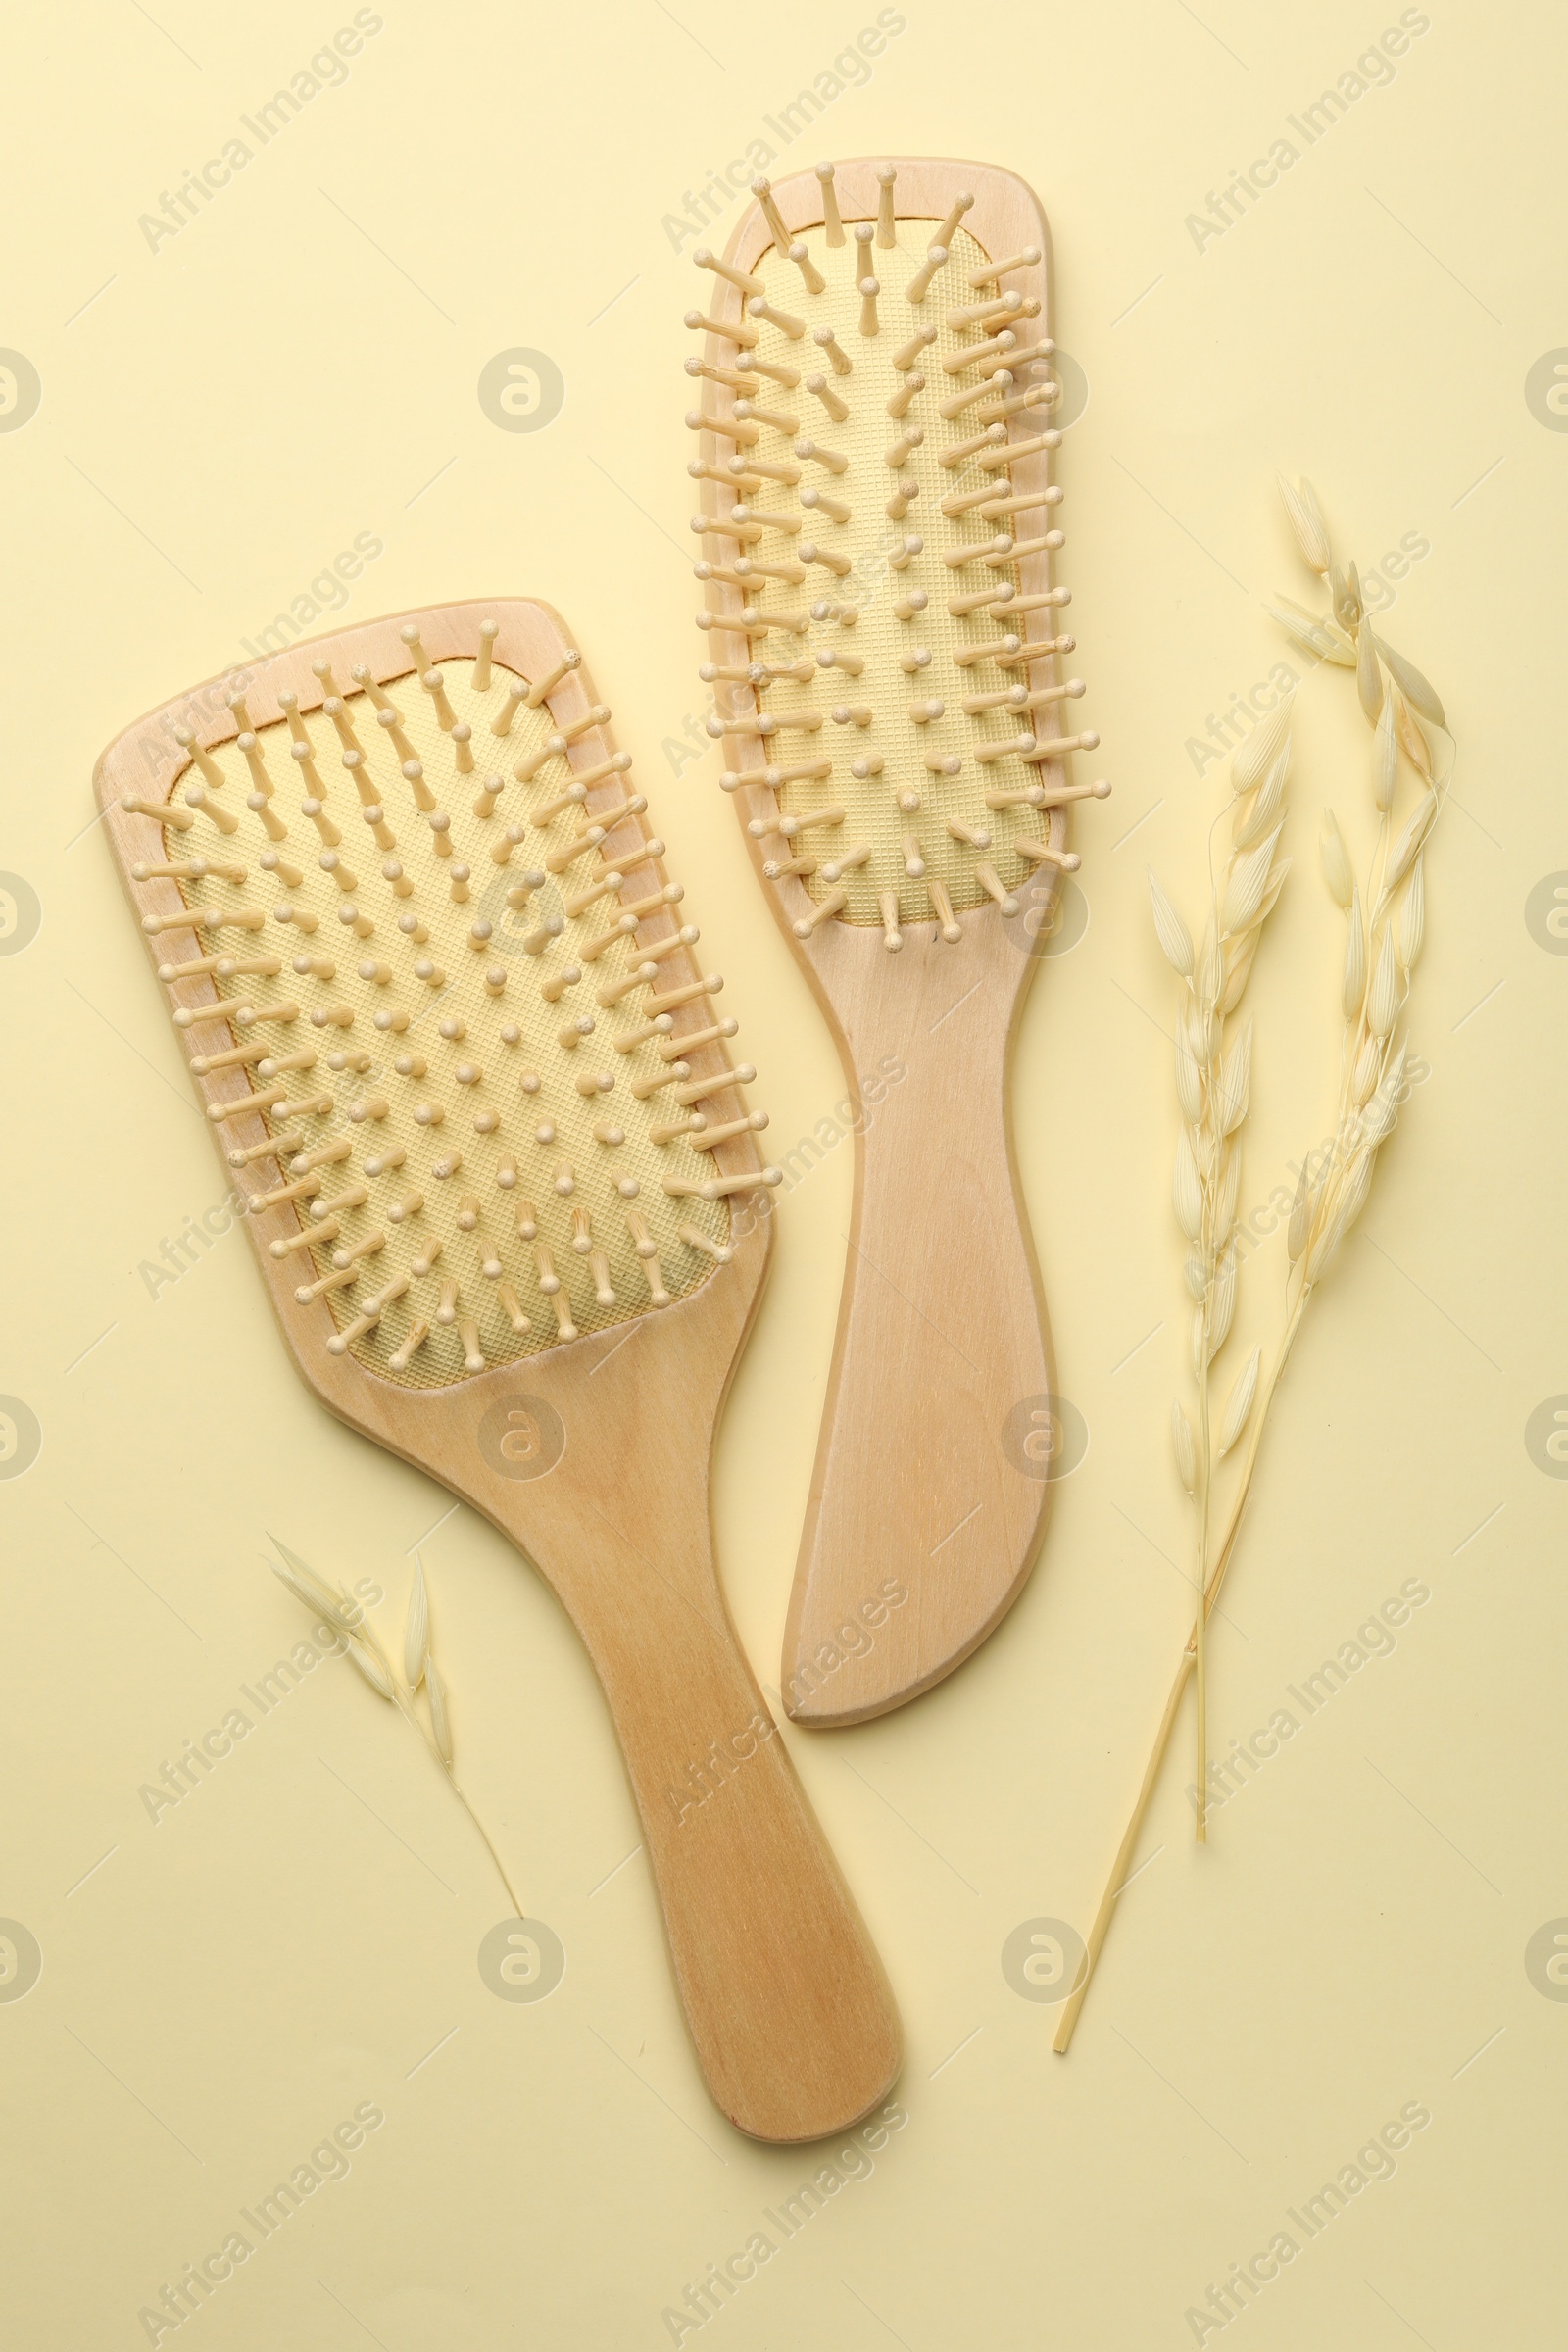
[{"x": 219, "y": 418}]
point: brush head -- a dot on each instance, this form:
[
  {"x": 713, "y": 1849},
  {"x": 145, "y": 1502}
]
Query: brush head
[
  {"x": 886, "y": 648},
  {"x": 447, "y": 1011}
]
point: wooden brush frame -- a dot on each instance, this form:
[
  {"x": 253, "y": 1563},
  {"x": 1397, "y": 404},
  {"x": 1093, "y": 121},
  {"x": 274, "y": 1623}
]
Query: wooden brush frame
[{"x": 594, "y": 1458}]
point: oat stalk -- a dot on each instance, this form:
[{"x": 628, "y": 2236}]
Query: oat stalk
[
  {"x": 364, "y": 1652},
  {"x": 1213, "y": 1090},
  {"x": 1385, "y": 924}
]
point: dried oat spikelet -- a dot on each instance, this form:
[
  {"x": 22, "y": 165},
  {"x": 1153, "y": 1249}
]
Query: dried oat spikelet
[
  {"x": 1240, "y": 1403},
  {"x": 440, "y": 1716},
  {"x": 1306, "y": 522},
  {"x": 370, "y": 1666},
  {"x": 416, "y": 1630},
  {"x": 1336, "y": 861}
]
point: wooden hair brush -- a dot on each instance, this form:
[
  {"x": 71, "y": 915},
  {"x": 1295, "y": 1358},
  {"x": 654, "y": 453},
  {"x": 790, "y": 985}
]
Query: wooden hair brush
[
  {"x": 877, "y": 518},
  {"x": 449, "y": 1028}
]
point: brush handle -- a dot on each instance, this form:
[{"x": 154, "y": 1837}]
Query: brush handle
[
  {"x": 791, "y": 2014},
  {"x": 926, "y": 1505}
]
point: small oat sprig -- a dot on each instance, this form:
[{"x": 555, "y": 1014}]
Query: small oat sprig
[
  {"x": 1384, "y": 925},
  {"x": 364, "y": 1652}
]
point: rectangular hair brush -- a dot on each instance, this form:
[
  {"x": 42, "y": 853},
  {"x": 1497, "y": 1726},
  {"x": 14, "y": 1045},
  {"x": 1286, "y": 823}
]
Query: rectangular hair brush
[{"x": 445, "y": 1017}]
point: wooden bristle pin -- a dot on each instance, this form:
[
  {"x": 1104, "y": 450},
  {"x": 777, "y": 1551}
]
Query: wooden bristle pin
[
  {"x": 1016, "y": 404},
  {"x": 277, "y": 1146},
  {"x": 197, "y": 796},
  {"x": 1013, "y": 653},
  {"x": 738, "y": 380},
  {"x": 735, "y": 331},
  {"x": 761, "y": 189},
  {"x": 488, "y": 631},
  {"x": 1057, "y": 746},
  {"x": 832, "y": 222},
  {"x": 818, "y": 502},
  {"x": 821, "y": 913},
  {"x": 950, "y": 928},
  {"x": 742, "y": 279},
  {"x": 409, "y": 1347},
  {"x": 903, "y": 400},
  {"x": 989, "y": 437},
  {"x": 190, "y": 869},
  {"x": 886, "y": 230},
  {"x": 210, "y": 771},
  {"x": 543, "y": 687},
  {"x": 962, "y": 203},
  {"x": 955, "y": 403},
  {"x": 821, "y": 389},
  {"x": 920, "y": 284},
  {"x": 988, "y": 272},
  {"x": 776, "y": 373},
  {"x": 433, "y": 681},
  {"x": 870, "y": 289},
  {"x": 1041, "y": 852},
  {"x": 996, "y": 309},
  {"x": 759, "y": 306},
  {"x": 995, "y": 347},
  {"x": 700, "y": 421},
  {"x": 800, "y": 253},
  {"x": 992, "y": 884}
]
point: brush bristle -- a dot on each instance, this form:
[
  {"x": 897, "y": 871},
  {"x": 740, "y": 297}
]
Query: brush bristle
[
  {"x": 430, "y": 973},
  {"x": 850, "y": 618}
]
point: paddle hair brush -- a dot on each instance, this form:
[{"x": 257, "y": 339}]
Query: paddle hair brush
[
  {"x": 889, "y": 680},
  {"x": 448, "y": 1022}
]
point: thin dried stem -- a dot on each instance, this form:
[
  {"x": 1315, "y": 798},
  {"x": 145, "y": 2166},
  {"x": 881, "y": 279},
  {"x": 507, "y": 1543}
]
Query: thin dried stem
[{"x": 1122, "y": 1865}]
